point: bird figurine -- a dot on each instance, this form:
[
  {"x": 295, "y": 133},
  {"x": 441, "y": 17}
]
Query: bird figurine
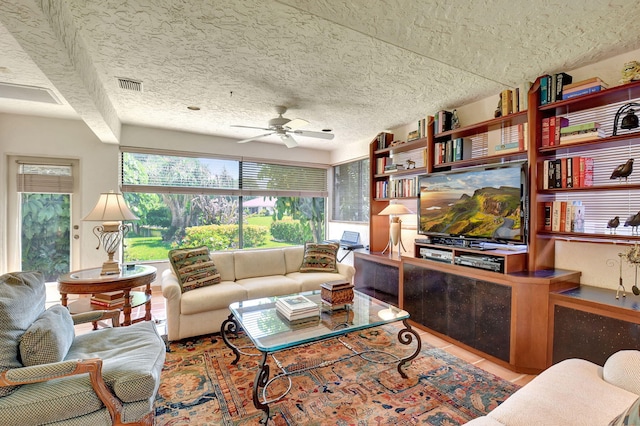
[
  {"x": 633, "y": 221},
  {"x": 613, "y": 224},
  {"x": 623, "y": 171}
]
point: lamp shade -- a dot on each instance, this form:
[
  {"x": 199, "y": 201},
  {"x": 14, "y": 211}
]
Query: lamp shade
[
  {"x": 392, "y": 209},
  {"x": 111, "y": 207}
]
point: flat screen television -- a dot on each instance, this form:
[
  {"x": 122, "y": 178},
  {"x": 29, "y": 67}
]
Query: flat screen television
[{"x": 482, "y": 203}]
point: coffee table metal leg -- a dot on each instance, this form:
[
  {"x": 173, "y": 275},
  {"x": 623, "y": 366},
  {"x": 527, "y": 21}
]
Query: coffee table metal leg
[
  {"x": 406, "y": 336},
  {"x": 262, "y": 378},
  {"x": 230, "y": 325}
]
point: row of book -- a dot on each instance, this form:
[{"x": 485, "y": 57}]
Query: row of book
[
  {"x": 297, "y": 308},
  {"x": 564, "y": 216},
  {"x": 384, "y": 140},
  {"x": 110, "y": 299},
  {"x": 553, "y": 86},
  {"x": 397, "y": 188},
  {"x": 570, "y": 172},
  {"x": 382, "y": 163},
  {"x": 557, "y": 131},
  {"x": 514, "y": 100},
  {"x": 584, "y": 87},
  {"x": 452, "y": 150},
  {"x": 442, "y": 121}
]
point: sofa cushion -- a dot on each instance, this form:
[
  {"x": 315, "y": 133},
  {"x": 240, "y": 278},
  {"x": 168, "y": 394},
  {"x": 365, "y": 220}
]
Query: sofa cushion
[
  {"x": 319, "y": 258},
  {"x": 271, "y": 285},
  {"x": 193, "y": 267},
  {"x": 258, "y": 263},
  {"x": 309, "y": 282},
  {"x": 293, "y": 258},
  {"x": 225, "y": 264},
  {"x": 631, "y": 416},
  {"x": 212, "y": 298},
  {"x": 622, "y": 369},
  {"x": 22, "y": 298},
  {"x": 49, "y": 338}
]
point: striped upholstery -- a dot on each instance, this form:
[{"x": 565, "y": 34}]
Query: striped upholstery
[
  {"x": 48, "y": 339},
  {"x": 194, "y": 268},
  {"x": 319, "y": 258},
  {"x": 22, "y": 297}
]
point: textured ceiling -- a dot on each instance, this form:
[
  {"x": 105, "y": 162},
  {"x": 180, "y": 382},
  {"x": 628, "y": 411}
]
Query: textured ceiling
[{"x": 357, "y": 67}]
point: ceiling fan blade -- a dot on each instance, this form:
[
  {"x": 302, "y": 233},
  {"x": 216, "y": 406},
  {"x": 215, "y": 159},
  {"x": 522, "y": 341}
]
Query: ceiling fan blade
[
  {"x": 255, "y": 137},
  {"x": 296, "y": 123},
  {"x": 251, "y": 127},
  {"x": 308, "y": 133},
  {"x": 289, "y": 141}
]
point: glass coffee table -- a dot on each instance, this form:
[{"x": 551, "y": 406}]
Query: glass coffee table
[{"x": 270, "y": 333}]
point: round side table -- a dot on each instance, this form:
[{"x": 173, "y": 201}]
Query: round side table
[{"x": 89, "y": 281}]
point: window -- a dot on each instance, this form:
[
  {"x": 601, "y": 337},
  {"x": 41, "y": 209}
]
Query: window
[
  {"x": 223, "y": 203},
  {"x": 351, "y": 191}
]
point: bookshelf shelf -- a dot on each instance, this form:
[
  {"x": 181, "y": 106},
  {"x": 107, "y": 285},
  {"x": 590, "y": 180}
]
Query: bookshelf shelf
[
  {"x": 484, "y": 126},
  {"x": 612, "y": 95},
  {"x": 610, "y": 142}
]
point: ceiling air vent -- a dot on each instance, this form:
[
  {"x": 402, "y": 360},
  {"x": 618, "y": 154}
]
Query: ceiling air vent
[{"x": 130, "y": 84}]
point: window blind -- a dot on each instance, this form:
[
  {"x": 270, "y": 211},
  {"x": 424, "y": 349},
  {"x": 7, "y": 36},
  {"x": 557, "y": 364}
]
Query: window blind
[
  {"x": 351, "y": 192},
  {"x": 45, "y": 178}
]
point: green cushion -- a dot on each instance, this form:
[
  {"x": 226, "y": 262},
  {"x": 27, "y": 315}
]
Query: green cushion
[
  {"x": 320, "y": 258},
  {"x": 631, "y": 416},
  {"x": 194, "y": 268},
  {"x": 22, "y": 298},
  {"x": 49, "y": 338}
]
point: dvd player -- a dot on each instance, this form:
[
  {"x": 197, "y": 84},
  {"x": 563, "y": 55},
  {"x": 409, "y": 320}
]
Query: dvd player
[
  {"x": 491, "y": 263},
  {"x": 435, "y": 254}
]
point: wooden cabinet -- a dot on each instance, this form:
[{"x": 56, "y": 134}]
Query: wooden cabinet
[{"x": 377, "y": 276}]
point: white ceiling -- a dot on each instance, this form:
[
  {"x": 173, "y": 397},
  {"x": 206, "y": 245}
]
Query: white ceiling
[{"x": 357, "y": 67}]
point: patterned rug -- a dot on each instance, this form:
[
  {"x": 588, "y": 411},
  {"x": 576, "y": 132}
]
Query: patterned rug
[{"x": 199, "y": 386}]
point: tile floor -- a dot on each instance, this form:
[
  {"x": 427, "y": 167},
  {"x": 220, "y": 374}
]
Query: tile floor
[{"x": 159, "y": 316}]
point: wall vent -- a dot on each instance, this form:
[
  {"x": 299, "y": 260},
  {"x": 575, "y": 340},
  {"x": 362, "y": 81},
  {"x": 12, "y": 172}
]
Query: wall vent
[{"x": 130, "y": 84}]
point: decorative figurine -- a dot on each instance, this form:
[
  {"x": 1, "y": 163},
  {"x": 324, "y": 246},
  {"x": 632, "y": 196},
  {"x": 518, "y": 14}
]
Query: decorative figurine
[
  {"x": 633, "y": 221},
  {"x": 630, "y": 72},
  {"x": 455, "y": 121},
  {"x": 411, "y": 164},
  {"x": 498, "y": 112},
  {"x": 623, "y": 171},
  {"x": 613, "y": 224}
]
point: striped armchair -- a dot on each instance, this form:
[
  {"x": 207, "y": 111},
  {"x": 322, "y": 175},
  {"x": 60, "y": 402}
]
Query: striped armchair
[{"x": 49, "y": 375}]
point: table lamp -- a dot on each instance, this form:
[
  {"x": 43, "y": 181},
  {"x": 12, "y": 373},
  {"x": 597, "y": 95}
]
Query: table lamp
[
  {"x": 111, "y": 209},
  {"x": 395, "y": 226}
]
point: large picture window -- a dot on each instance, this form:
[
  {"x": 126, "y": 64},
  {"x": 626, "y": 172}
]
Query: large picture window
[
  {"x": 223, "y": 203},
  {"x": 351, "y": 192}
]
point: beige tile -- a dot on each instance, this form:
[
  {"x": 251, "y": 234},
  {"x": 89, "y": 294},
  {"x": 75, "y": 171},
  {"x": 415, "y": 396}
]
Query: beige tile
[
  {"x": 433, "y": 340},
  {"x": 498, "y": 370},
  {"x": 463, "y": 354},
  {"x": 524, "y": 379}
]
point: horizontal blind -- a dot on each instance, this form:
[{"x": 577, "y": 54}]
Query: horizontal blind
[
  {"x": 601, "y": 206},
  {"x": 45, "y": 178},
  {"x": 351, "y": 191},
  {"x": 283, "y": 180}
]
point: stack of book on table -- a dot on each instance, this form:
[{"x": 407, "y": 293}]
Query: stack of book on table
[
  {"x": 112, "y": 298},
  {"x": 297, "y": 308}
]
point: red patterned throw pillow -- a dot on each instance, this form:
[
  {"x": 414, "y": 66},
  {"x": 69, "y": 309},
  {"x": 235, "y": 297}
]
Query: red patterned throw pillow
[
  {"x": 194, "y": 268},
  {"x": 320, "y": 258}
]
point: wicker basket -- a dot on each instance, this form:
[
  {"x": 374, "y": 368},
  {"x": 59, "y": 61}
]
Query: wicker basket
[{"x": 337, "y": 292}]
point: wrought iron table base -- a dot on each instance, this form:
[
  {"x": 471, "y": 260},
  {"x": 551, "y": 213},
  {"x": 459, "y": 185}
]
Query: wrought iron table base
[{"x": 262, "y": 381}]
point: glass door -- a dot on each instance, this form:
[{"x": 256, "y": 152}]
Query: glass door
[{"x": 41, "y": 215}]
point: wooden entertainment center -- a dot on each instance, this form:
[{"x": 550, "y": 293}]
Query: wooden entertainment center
[{"x": 511, "y": 306}]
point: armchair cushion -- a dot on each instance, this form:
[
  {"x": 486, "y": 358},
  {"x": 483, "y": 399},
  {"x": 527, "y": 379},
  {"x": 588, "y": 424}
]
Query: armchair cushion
[
  {"x": 194, "y": 268},
  {"x": 319, "y": 258},
  {"x": 49, "y": 338},
  {"x": 623, "y": 370},
  {"x": 22, "y": 298}
]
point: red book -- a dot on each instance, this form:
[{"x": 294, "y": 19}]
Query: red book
[
  {"x": 545, "y": 132},
  {"x": 558, "y": 123},
  {"x": 563, "y": 172},
  {"x": 521, "y": 137},
  {"x": 552, "y": 131},
  {"x": 588, "y": 172},
  {"x": 563, "y": 216}
]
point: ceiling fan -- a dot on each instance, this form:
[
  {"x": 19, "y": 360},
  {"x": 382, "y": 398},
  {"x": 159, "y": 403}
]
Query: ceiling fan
[{"x": 286, "y": 128}]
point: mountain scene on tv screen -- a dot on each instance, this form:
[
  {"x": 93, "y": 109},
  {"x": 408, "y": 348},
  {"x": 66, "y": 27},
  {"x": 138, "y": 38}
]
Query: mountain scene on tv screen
[{"x": 487, "y": 212}]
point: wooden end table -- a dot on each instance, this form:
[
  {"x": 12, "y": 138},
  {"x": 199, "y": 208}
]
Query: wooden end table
[{"x": 89, "y": 281}]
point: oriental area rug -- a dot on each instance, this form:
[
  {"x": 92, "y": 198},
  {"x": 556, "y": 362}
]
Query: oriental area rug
[{"x": 200, "y": 386}]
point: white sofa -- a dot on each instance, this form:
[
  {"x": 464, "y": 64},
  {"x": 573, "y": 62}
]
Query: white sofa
[
  {"x": 245, "y": 275},
  {"x": 573, "y": 392}
]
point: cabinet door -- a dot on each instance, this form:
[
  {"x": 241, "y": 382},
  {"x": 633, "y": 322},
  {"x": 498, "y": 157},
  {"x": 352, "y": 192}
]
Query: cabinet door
[
  {"x": 377, "y": 280},
  {"x": 425, "y": 297},
  {"x": 493, "y": 319},
  {"x": 461, "y": 309}
]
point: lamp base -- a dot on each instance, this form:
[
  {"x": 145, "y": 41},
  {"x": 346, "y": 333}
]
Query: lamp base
[{"x": 110, "y": 268}]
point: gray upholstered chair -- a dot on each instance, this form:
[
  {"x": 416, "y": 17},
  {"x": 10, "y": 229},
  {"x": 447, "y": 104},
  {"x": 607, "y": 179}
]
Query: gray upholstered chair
[{"x": 50, "y": 376}]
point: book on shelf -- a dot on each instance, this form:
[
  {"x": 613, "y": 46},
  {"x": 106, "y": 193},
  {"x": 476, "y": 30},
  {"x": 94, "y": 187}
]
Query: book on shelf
[
  {"x": 296, "y": 307},
  {"x": 569, "y": 172},
  {"x": 390, "y": 168},
  {"x": 384, "y": 139},
  {"x": 553, "y": 86},
  {"x": 582, "y": 136},
  {"x": 108, "y": 296},
  {"x": 582, "y": 127},
  {"x": 562, "y": 80},
  {"x": 589, "y": 82},
  {"x": 552, "y": 130},
  {"x": 564, "y": 216},
  {"x": 581, "y": 92},
  {"x": 414, "y": 135},
  {"x": 107, "y": 304},
  {"x": 442, "y": 121}
]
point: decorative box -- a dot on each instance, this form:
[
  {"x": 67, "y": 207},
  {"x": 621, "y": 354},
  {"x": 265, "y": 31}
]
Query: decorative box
[{"x": 337, "y": 292}]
